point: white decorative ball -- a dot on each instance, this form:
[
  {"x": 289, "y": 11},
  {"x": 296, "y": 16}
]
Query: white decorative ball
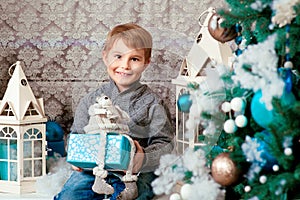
[
  {"x": 175, "y": 196},
  {"x": 186, "y": 191},
  {"x": 237, "y": 104},
  {"x": 247, "y": 188},
  {"x": 229, "y": 126},
  {"x": 288, "y": 151},
  {"x": 275, "y": 168},
  {"x": 288, "y": 65},
  {"x": 263, "y": 179},
  {"x": 241, "y": 121},
  {"x": 226, "y": 107}
]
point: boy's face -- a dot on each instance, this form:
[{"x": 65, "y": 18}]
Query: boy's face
[{"x": 124, "y": 65}]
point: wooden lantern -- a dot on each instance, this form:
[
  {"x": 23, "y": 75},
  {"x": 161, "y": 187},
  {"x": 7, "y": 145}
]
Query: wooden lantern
[
  {"x": 22, "y": 136},
  {"x": 205, "y": 53}
]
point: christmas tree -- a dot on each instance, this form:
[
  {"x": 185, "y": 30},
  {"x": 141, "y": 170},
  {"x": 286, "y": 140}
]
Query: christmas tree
[{"x": 250, "y": 115}]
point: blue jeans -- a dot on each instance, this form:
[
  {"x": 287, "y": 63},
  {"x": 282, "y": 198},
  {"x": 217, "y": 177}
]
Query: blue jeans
[{"x": 79, "y": 187}]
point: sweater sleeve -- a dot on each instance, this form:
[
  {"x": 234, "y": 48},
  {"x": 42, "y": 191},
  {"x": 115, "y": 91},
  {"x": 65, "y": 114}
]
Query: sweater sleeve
[
  {"x": 81, "y": 116},
  {"x": 160, "y": 137}
]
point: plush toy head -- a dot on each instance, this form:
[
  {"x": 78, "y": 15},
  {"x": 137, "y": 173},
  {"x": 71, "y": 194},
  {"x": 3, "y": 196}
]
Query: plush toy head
[{"x": 104, "y": 101}]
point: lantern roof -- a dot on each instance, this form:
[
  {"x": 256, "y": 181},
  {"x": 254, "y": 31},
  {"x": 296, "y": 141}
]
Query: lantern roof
[
  {"x": 19, "y": 105},
  {"x": 206, "y": 52}
]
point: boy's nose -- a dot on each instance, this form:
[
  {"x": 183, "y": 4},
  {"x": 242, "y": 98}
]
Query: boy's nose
[{"x": 125, "y": 64}]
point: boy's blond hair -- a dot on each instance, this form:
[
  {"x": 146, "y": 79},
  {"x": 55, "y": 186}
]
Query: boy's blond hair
[{"x": 133, "y": 35}]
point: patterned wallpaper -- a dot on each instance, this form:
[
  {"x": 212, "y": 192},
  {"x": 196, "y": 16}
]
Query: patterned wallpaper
[{"x": 59, "y": 44}]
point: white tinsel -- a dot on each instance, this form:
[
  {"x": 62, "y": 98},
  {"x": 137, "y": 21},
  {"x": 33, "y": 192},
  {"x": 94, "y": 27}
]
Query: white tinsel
[
  {"x": 59, "y": 172},
  {"x": 207, "y": 99},
  {"x": 258, "y": 5},
  {"x": 204, "y": 188},
  {"x": 250, "y": 149},
  {"x": 284, "y": 11},
  {"x": 172, "y": 169},
  {"x": 262, "y": 75}
]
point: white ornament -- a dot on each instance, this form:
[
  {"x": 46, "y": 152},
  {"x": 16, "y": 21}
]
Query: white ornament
[
  {"x": 247, "y": 188},
  {"x": 226, "y": 107},
  {"x": 175, "y": 196},
  {"x": 237, "y": 104},
  {"x": 186, "y": 191},
  {"x": 288, "y": 65},
  {"x": 275, "y": 168},
  {"x": 288, "y": 151},
  {"x": 229, "y": 126},
  {"x": 263, "y": 179},
  {"x": 241, "y": 121}
]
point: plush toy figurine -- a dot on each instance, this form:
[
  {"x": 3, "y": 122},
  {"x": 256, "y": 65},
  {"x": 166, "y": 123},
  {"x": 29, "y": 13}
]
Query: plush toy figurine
[{"x": 104, "y": 118}]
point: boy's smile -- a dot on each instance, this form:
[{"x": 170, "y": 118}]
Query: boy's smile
[{"x": 125, "y": 65}]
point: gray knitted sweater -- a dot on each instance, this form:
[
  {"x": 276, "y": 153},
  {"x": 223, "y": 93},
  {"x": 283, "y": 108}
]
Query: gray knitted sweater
[{"x": 150, "y": 122}]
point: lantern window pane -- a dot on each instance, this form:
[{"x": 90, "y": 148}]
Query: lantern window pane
[
  {"x": 8, "y": 132},
  {"x": 38, "y": 167},
  {"x": 7, "y": 111},
  {"x": 4, "y": 170},
  {"x": 31, "y": 110},
  {"x": 13, "y": 171},
  {"x": 5, "y": 130},
  {"x": 26, "y": 136},
  {"x": 27, "y": 168},
  {"x": 8, "y": 158},
  {"x": 39, "y": 135},
  {"x": 37, "y": 149},
  {"x": 13, "y": 150},
  {"x": 14, "y": 134},
  {"x": 3, "y": 149},
  {"x": 8, "y": 149},
  {"x": 32, "y": 133},
  {"x": 185, "y": 71},
  {"x": 27, "y": 152}
]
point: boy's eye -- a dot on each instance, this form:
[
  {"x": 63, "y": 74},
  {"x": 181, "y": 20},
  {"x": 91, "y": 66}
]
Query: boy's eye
[
  {"x": 118, "y": 56},
  {"x": 135, "y": 59}
]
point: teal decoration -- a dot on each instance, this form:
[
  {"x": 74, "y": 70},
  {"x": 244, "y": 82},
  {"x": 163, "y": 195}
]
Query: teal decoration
[
  {"x": 8, "y": 152},
  {"x": 286, "y": 75},
  {"x": 184, "y": 103},
  {"x": 268, "y": 160},
  {"x": 54, "y": 131},
  {"x": 83, "y": 150},
  {"x": 261, "y": 115},
  {"x": 56, "y": 147}
]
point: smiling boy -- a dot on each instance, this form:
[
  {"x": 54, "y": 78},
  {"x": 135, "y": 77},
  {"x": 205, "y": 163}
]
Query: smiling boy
[{"x": 126, "y": 54}]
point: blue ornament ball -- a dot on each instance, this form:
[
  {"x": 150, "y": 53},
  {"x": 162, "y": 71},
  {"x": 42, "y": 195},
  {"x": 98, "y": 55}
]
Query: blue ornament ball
[
  {"x": 261, "y": 115},
  {"x": 268, "y": 159},
  {"x": 184, "y": 103},
  {"x": 54, "y": 131}
]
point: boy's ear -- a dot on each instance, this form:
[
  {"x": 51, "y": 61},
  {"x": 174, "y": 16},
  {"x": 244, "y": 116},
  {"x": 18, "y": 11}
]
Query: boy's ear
[
  {"x": 147, "y": 62},
  {"x": 104, "y": 57}
]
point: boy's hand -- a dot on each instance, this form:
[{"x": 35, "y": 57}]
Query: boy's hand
[
  {"x": 138, "y": 157},
  {"x": 77, "y": 168}
]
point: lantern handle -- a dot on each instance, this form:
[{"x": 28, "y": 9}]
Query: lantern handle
[
  {"x": 10, "y": 68},
  {"x": 209, "y": 10}
]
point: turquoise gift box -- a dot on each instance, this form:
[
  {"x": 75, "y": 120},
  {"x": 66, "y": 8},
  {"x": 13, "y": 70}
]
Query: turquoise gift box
[{"x": 83, "y": 150}]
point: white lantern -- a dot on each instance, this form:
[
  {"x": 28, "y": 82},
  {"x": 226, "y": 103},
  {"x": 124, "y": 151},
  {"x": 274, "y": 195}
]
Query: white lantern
[
  {"x": 22, "y": 136},
  {"x": 205, "y": 53}
]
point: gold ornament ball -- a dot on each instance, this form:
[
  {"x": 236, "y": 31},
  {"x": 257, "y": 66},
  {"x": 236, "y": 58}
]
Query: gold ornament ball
[
  {"x": 224, "y": 170},
  {"x": 219, "y": 33}
]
